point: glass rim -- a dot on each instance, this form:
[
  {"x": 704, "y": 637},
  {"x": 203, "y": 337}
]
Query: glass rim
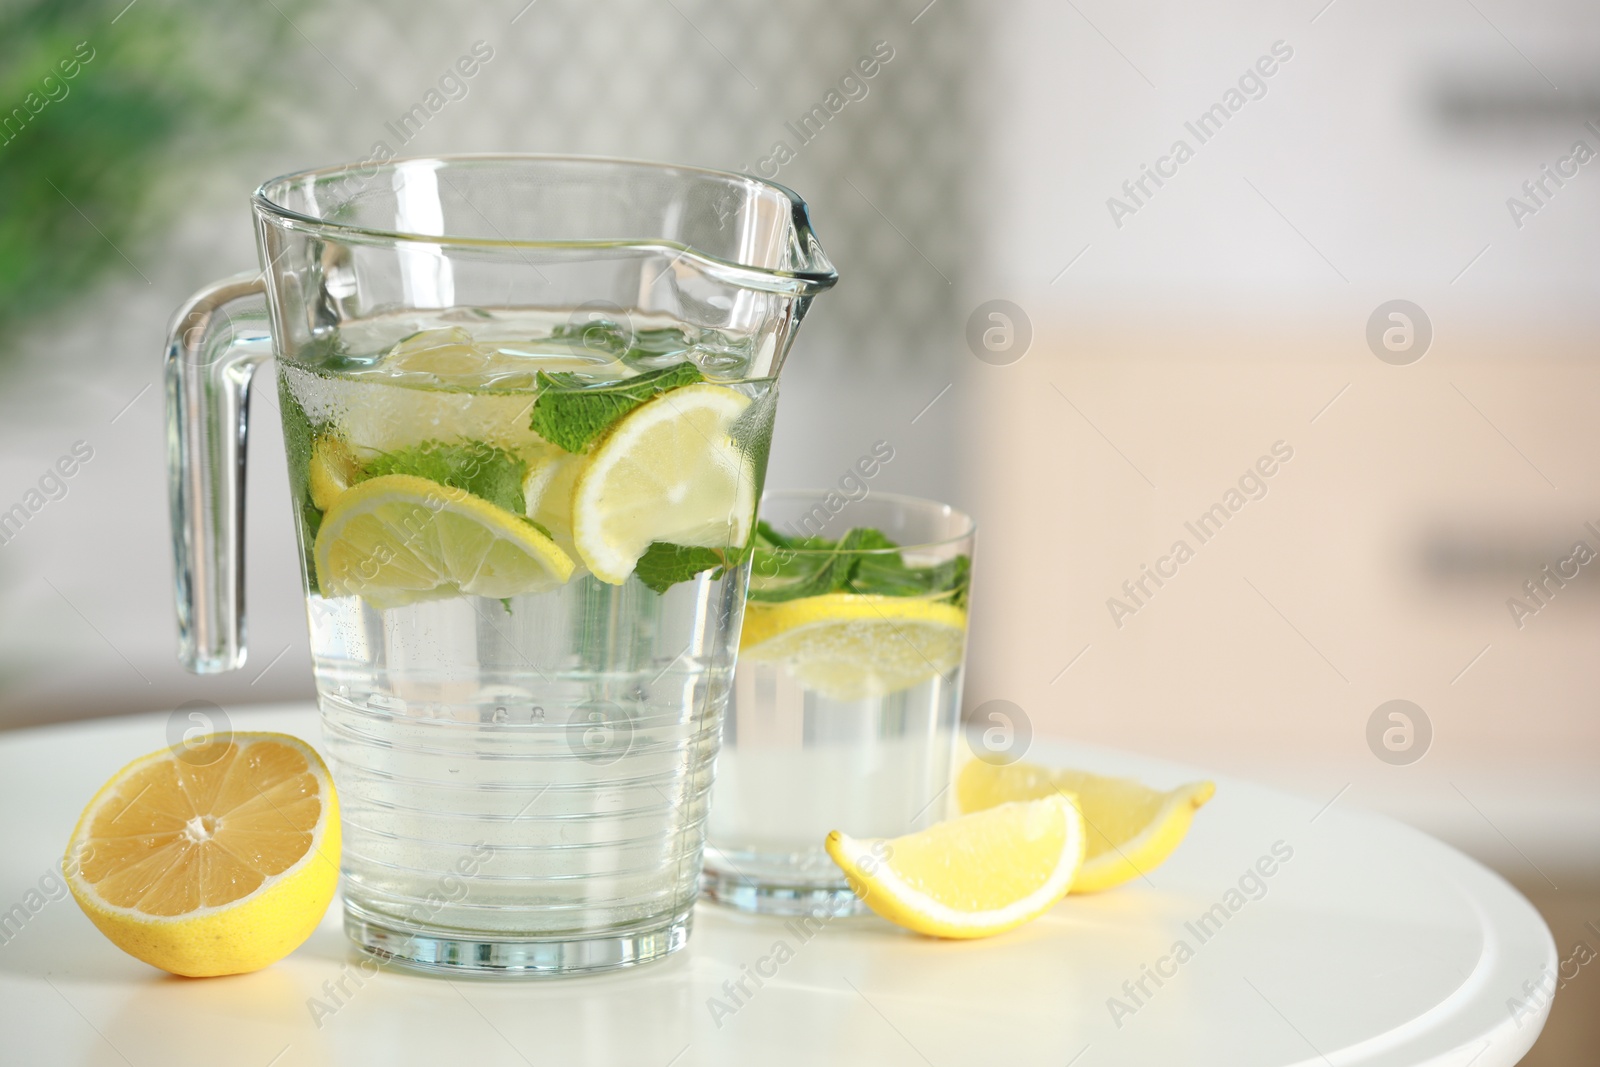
[
  {"x": 918, "y": 502},
  {"x": 818, "y": 276}
]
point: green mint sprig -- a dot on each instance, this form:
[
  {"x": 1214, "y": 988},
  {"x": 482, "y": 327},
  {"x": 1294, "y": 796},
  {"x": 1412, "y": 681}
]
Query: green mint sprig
[
  {"x": 789, "y": 568},
  {"x": 887, "y": 575},
  {"x": 572, "y": 411},
  {"x": 805, "y": 567},
  {"x": 299, "y": 436}
]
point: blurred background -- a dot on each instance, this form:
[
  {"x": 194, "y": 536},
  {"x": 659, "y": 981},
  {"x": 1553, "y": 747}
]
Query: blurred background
[{"x": 1060, "y": 319}]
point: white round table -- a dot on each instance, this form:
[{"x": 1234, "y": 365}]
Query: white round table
[{"x": 1367, "y": 943}]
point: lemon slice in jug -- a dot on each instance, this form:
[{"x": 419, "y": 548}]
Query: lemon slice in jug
[
  {"x": 671, "y": 471},
  {"x": 398, "y": 539}
]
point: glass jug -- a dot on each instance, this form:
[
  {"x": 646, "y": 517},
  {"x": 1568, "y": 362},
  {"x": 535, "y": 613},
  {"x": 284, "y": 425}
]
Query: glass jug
[{"x": 527, "y": 403}]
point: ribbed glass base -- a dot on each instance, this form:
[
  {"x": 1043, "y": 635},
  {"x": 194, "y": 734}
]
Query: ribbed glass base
[
  {"x": 431, "y": 952},
  {"x": 769, "y": 898}
]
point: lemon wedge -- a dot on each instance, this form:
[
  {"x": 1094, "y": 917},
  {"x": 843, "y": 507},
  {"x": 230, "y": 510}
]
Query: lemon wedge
[
  {"x": 670, "y": 470},
  {"x": 1132, "y": 829},
  {"x": 398, "y": 539},
  {"x": 547, "y": 489},
  {"x": 214, "y": 859},
  {"x": 848, "y": 646},
  {"x": 333, "y": 470},
  {"x": 974, "y": 876}
]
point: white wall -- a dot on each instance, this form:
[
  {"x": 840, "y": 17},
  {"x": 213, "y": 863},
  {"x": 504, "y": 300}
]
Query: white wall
[{"x": 1223, "y": 316}]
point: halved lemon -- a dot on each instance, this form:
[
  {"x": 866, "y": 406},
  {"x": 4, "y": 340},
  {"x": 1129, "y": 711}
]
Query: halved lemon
[
  {"x": 398, "y": 539},
  {"x": 975, "y": 876},
  {"x": 670, "y": 470},
  {"x": 214, "y": 859},
  {"x": 848, "y": 646},
  {"x": 1132, "y": 829},
  {"x": 333, "y": 470}
]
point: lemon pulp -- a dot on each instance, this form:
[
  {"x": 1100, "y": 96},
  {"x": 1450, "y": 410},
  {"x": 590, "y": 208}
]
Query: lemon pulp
[{"x": 218, "y": 859}]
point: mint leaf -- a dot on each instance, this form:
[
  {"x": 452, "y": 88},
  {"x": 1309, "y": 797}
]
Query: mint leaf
[
  {"x": 664, "y": 565},
  {"x": 752, "y": 435},
  {"x": 886, "y": 574},
  {"x": 768, "y": 537},
  {"x": 788, "y": 568},
  {"x": 866, "y": 539},
  {"x": 766, "y": 533},
  {"x": 472, "y": 466},
  {"x": 299, "y": 436},
  {"x": 572, "y": 411},
  {"x": 778, "y": 564},
  {"x": 811, "y": 566}
]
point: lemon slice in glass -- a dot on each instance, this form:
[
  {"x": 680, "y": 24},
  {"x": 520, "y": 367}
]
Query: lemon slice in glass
[
  {"x": 975, "y": 876},
  {"x": 398, "y": 539},
  {"x": 1132, "y": 829},
  {"x": 215, "y": 858},
  {"x": 848, "y": 646},
  {"x": 670, "y": 470}
]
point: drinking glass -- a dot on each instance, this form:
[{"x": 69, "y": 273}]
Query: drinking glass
[
  {"x": 846, "y": 700},
  {"x": 522, "y": 710}
]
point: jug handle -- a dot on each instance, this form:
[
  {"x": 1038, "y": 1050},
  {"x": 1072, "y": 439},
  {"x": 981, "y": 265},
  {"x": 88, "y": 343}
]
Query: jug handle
[{"x": 214, "y": 345}]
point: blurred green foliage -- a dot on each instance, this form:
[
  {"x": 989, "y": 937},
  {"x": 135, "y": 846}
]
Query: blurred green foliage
[{"x": 103, "y": 109}]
